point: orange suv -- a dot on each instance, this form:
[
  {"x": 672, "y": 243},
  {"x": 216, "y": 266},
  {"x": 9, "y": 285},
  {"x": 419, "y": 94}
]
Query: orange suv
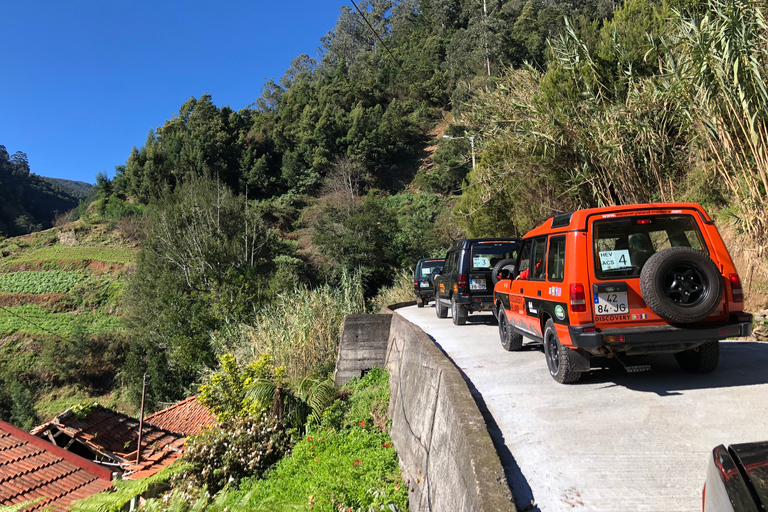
[{"x": 621, "y": 281}]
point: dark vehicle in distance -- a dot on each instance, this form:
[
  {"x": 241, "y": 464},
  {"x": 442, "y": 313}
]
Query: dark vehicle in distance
[
  {"x": 737, "y": 479},
  {"x": 465, "y": 283},
  {"x": 422, "y": 280}
]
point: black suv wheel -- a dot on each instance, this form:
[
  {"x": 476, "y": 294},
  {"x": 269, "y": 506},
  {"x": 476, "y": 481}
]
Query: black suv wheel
[
  {"x": 459, "y": 313},
  {"x": 440, "y": 310}
]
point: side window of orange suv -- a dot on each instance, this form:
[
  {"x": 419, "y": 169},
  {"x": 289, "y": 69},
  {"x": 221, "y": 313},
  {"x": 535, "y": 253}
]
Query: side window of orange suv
[
  {"x": 539, "y": 253},
  {"x": 556, "y": 259}
]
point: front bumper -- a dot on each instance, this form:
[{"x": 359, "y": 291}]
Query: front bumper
[{"x": 660, "y": 335}]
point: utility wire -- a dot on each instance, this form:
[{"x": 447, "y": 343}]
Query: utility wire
[
  {"x": 7, "y": 310},
  {"x": 362, "y": 15}
]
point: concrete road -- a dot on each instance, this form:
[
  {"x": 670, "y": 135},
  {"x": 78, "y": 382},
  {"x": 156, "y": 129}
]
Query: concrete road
[{"x": 614, "y": 441}]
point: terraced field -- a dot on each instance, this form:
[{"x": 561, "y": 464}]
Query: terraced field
[
  {"x": 87, "y": 275},
  {"x": 60, "y": 309}
]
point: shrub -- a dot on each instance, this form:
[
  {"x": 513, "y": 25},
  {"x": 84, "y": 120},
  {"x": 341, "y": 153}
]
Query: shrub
[{"x": 238, "y": 448}]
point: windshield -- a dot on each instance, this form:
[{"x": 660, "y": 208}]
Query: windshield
[
  {"x": 623, "y": 245},
  {"x": 430, "y": 267},
  {"x": 486, "y": 255}
]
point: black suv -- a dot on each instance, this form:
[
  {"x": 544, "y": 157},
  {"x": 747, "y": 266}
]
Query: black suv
[
  {"x": 422, "y": 280},
  {"x": 465, "y": 283}
]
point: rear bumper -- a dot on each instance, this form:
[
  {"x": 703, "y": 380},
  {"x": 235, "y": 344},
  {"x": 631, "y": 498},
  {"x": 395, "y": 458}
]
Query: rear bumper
[
  {"x": 661, "y": 335},
  {"x": 475, "y": 302},
  {"x": 425, "y": 294}
]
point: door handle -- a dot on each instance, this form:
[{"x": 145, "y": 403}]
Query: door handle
[{"x": 539, "y": 293}]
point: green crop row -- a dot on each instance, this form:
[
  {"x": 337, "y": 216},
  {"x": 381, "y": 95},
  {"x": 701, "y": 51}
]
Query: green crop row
[
  {"x": 61, "y": 252},
  {"x": 32, "y": 319},
  {"x": 53, "y": 281}
]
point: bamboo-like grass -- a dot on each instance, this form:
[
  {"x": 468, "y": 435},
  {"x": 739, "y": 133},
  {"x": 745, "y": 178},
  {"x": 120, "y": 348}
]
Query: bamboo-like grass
[
  {"x": 301, "y": 330},
  {"x": 728, "y": 62}
]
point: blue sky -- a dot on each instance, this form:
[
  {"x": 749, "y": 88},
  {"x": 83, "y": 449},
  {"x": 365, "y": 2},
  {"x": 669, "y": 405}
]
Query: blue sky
[{"x": 82, "y": 82}]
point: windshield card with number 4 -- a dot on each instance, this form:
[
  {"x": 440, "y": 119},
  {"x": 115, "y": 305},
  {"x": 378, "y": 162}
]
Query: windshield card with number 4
[{"x": 610, "y": 260}]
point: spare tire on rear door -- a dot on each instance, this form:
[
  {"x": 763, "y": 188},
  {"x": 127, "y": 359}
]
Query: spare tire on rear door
[
  {"x": 502, "y": 270},
  {"x": 682, "y": 285}
]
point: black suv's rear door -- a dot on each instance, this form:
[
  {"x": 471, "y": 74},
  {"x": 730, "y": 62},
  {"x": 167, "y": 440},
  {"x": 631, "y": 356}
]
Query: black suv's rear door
[{"x": 483, "y": 256}]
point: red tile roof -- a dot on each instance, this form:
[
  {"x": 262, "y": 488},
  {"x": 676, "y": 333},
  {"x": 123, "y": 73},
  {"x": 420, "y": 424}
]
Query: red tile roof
[
  {"x": 114, "y": 436},
  {"x": 187, "y": 417},
  {"x": 31, "y": 468}
]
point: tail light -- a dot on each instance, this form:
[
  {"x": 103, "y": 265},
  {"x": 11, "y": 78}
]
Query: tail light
[
  {"x": 736, "y": 291},
  {"x": 578, "y": 299},
  {"x": 415, "y": 283},
  {"x": 462, "y": 281}
]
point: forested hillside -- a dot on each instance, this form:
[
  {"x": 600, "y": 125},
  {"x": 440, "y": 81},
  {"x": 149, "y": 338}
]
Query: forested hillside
[
  {"x": 259, "y": 229},
  {"x": 339, "y": 168},
  {"x": 29, "y": 202},
  {"x": 339, "y": 177}
]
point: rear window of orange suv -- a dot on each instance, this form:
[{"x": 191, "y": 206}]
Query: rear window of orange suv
[{"x": 623, "y": 245}]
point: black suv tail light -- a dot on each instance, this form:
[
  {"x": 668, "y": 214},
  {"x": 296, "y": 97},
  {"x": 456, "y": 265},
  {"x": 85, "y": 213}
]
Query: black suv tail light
[
  {"x": 415, "y": 283},
  {"x": 578, "y": 298},
  {"x": 736, "y": 290},
  {"x": 462, "y": 281}
]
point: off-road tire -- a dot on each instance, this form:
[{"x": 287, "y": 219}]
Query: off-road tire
[
  {"x": 458, "y": 312},
  {"x": 498, "y": 267},
  {"x": 510, "y": 340},
  {"x": 558, "y": 357},
  {"x": 420, "y": 303},
  {"x": 703, "y": 359},
  {"x": 440, "y": 310},
  {"x": 682, "y": 285}
]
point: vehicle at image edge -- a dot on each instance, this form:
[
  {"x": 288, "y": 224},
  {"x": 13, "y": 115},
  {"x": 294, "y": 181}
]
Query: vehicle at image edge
[
  {"x": 621, "y": 281},
  {"x": 737, "y": 479},
  {"x": 464, "y": 284},
  {"x": 422, "y": 280}
]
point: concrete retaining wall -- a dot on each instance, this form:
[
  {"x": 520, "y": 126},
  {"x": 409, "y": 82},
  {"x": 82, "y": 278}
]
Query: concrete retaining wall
[
  {"x": 446, "y": 453},
  {"x": 363, "y": 346}
]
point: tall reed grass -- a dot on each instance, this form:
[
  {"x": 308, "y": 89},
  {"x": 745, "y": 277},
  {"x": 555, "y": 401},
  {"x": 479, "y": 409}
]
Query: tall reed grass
[
  {"x": 727, "y": 65},
  {"x": 300, "y": 330},
  {"x": 400, "y": 291}
]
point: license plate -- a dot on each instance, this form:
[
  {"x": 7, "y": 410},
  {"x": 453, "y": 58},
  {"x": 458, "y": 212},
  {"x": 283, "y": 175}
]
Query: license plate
[
  {"x": 613, "y": 303},
  {"x": 424, "y": 284},
  {"x": 477, "y": 284}
]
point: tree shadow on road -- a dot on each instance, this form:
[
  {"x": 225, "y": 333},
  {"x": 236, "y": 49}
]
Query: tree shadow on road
[{"x": 742, "y": 363}]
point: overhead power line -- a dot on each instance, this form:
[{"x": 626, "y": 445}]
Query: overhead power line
[
  {"x": 362, "y": 15},
  {"x": 7, "y": 310}
]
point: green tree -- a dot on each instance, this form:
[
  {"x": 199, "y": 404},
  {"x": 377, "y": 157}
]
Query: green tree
[
  {"x": 206, "y": 263},
  {"x": 360, "y": 238}
]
